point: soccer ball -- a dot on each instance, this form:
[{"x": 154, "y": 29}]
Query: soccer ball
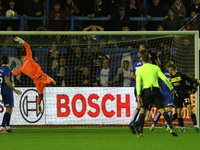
[{"x": 10, "y": 13}]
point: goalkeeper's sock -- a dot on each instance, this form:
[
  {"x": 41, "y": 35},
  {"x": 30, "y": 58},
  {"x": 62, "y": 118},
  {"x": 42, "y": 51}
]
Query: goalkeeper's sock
[
  {"x": 135, "y": 115},
  {"x": 156, "y": 118},
  {"x": 5, "y": 119},
  {"x": 194, "y": 119},
  {"x": 174, "y": 117}
]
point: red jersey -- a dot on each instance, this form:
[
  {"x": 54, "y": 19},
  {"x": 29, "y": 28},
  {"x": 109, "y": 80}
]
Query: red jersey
[{"x": 29, "y": 66}]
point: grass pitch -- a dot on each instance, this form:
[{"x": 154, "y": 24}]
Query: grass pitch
[{"x": 97, "y": 139}]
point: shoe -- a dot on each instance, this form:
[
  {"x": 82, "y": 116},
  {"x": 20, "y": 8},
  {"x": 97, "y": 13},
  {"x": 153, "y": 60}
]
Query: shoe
[
  {"x": 152, "y": 129},
  {"x": 164, "y": 126},
  {"x": 136, "y": 128},
  {"x": 9, "y": 130},
  {"x": 140, "y": 135},
  {"x": 38, "y": 101},
  {"x": 131, "y": 126},
  {"x": 196, "y": 129},
  {"x": 182, "y": 130},
  {"x": 3, "y": 131},
  {"x": 173, "y": 132},
  {"x": 148, "y": 116},
  {"x": 40, "y": 109},
  {"x": 168, "y": 128}
]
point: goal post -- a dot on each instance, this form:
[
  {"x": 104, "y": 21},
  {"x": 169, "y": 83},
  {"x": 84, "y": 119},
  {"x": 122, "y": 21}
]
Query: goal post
[{"x": 112, "y": 44}]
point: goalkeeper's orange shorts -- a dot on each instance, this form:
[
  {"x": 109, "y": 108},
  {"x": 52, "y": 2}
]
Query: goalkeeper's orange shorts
[{"x": 41, "y": 82}]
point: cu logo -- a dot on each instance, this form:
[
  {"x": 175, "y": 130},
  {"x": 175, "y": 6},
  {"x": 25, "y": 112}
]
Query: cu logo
[{"x": 29, "y": 107}]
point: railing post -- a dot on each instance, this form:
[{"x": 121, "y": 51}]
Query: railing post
[
  {"x": 21, "y": 23},
  {"x": 47, "y": 12},
  {"x": 72, "y": 23}
]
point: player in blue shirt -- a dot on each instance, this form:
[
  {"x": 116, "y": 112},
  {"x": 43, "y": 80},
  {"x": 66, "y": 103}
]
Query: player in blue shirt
[
  {"x": 136, "y": 112},
  {"x": 167, "y": 96},
  {"x": 7, "y": 93}
]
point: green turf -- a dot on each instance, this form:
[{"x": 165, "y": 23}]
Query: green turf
[{"x": 97, "y": 139}]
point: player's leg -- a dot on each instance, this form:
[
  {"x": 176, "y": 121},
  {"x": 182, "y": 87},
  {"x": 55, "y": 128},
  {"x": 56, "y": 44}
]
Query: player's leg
[
  {"x": 148, "y": 112},
  {"x": 136, "y": 113},
  {"x": 160, "y": 105},
  {"x": 155, "y": 120},
  {"x": 193, "y": 116},
  {"x": 180, "y": 119}
]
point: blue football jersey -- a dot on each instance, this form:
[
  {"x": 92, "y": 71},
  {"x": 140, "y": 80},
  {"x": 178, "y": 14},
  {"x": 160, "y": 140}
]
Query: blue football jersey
[
  {"x": 5, "y": 71},
  {"x": 136, "y": 65},
  {"x": 164, "y": 87}
]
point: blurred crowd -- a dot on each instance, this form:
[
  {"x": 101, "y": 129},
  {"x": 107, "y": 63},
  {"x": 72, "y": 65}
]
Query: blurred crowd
[{"x": 120, "y": 11}]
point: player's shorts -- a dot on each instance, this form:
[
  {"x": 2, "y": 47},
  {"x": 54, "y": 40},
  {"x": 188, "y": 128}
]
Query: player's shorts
[
  {"x": 43, "y": 81},
  {"x": 152, "y": 96},
  {"x": 8, "y": 100},
  {"x": 168, "y": 98},
  {"x": 178, "y": 100}
]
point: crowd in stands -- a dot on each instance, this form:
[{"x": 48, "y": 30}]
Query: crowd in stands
[
  {"x": 74, "y": 67},
  {"x": 120, "y": 10}
]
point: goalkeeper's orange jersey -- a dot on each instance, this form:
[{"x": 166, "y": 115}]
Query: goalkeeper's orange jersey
[{"x": 29, "y": 66}]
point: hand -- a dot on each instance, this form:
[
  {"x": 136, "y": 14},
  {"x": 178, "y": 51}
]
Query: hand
[
  {"x": 180, "y": 15},
  {"x": 119, "y": 71},
  {"x": 173, "y": 91},
  {"x": 57, "y": 15},
  {"x": 97, "y": 78},
  {"x": 86, "y": 82},
  {"x": 109, "y": 82},
  {"x": 38, "y": 13},
  {"x": 72, "y": 11},
  {"x": 149, "y": 17},
  {"x": 18, "y": 92},
  {"x": 92, "y": 15},
  {"x": 95, "y": 84},
  {"x": 166, "y": 17},
  {"x": 140, "y": 101},
  {"x": 17, "y": 39}
]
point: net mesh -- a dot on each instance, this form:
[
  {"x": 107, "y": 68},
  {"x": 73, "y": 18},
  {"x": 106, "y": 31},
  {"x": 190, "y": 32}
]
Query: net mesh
[{"x": 77, "y": 60}]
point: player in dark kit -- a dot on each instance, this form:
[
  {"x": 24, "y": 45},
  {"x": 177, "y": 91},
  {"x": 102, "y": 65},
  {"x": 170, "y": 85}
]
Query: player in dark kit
[
  {"x": 178, "y": 80},
  {"x": 7, "y": 93}
]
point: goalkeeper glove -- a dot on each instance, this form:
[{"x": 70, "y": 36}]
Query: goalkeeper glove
[{"x": 18, "y": 39}]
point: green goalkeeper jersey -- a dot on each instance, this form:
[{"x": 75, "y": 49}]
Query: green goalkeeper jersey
[{"x": 147, "y": 75}]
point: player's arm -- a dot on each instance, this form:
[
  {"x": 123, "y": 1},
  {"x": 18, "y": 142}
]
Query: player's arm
[
  {"x": 7, "y": 81},
  {"x": 138, "y": 83},
  {"x": 158, "y": 62},
  {"x": 164, "y": 78},
  {"x": 133, "y": 75},
  {"x": 186, "y": 78},
  {"x": 28, "y": 50},
  {"x": 18, "y": 72}
]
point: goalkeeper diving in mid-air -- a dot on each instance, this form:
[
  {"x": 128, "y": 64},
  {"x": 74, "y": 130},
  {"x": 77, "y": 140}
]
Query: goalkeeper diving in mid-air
[{"x": 33, "y": 70}]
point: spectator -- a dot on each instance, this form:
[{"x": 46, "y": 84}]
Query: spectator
[
  {"x": 193, "y": 25},
  {"x": 94, "y": 28},
  {"x": 9, "y": 39},
  {"x": 56, "y": 25},
  {"x": 62, "y": 79},
  {"x": 2, "y": 13},
  {"x": 59, "y": 40},
  {"x": 155, "y": 10},
  {"x": 14, "y": 23},
  {"x": 71, "y": 9},
  {"x": 35, "y": 9},
  {"x": 113, "y": 8},
  {"x": 95, "y": 58},
  {"x": 160, "y": 28},
  {"x": 106, "y": 74},
  {"x": 62, "y": 63},
  {"x": 121, "y": 20},
  {"x": 133, "y": 11},
  {"x": 195, "y": 6},
  {"x": 172, "y": 22},
  {"x": 77, "y": 62},
  {"x": 180, "y": 10},
  {"x": 53, "y": 57},
  {"x": 87, "y": 79},
  {"x": 97, "y": 9},
  {"x": 164, "y": 56},
  {"x": 123, "y": 76}
]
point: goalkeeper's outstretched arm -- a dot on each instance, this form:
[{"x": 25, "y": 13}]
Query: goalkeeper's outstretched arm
[{"x": 28, "y": 50}]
